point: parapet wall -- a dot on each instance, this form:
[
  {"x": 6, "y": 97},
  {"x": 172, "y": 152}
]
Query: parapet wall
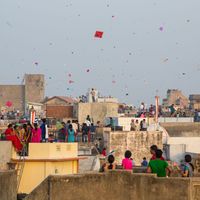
[
  {"x": 8, "y": 185},
  {"x": 116, "y": 185},
  {"x": 138, "y": 142},
  {"x": 182, "y": 129}
]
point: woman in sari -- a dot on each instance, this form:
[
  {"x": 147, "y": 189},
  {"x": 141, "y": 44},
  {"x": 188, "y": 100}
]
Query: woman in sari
[{"x": 36, "y": 134}]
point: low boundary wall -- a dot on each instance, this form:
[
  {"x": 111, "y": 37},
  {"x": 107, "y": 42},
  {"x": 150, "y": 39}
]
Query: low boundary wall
[{"x": 116, "y": 185}]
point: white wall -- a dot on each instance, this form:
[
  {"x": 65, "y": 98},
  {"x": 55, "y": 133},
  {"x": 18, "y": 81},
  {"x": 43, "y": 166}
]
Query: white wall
[
  {"x": 175, "y": 119},
  {"x": 192, "y": 143}
]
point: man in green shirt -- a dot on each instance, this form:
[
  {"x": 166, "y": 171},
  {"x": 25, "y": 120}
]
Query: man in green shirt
[{"x": 158, "y": 166}]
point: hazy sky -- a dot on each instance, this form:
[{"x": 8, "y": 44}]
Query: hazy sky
[{"x": 148, "y": 46}]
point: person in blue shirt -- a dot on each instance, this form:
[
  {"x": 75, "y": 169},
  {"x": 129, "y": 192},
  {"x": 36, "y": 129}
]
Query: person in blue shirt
[
  {"x": 43, "y": 127},
  {"x": 92, "y": 131},
  {"x": 144, "y": 162}
]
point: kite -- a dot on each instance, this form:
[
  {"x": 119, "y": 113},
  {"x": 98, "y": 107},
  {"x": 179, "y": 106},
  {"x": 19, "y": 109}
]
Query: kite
[
  {"x": 161, "y": 28},
  {"x": 69, "y": 75},
  {"x": 50, "y": 78},
  {"x": 18, "y": 77},
  {"x": 36, "y": 63},
  {"x": 98, "y": 34},
  {"x": 87, "y": 70},
  {"x": 8, "y": 103},
  {"x": 70, "y": 81},
  {"x": 183, "y": 73},
  {"x": 165, "y": 60},
  {"x": 113, "y": 82},
  {"x": 126, "y": 94}
]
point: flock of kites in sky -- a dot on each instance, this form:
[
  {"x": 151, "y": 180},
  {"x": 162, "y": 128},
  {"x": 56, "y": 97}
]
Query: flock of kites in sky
[{"x": 99, "y": 34}]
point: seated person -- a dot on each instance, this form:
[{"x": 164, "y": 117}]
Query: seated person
[
  {"x": 108, "y": 165},
  {"x": 127, "y": 163},
  {"x": 158, "y": 166},
  {"x": 188, "y": 168}
]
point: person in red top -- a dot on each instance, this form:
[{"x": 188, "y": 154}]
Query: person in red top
[
  {"x": 104, "y": 152},
  {"x": 8, "y": 131},
  {"x": 153, "y": 150},
  {"x": 11, "y": 135}
]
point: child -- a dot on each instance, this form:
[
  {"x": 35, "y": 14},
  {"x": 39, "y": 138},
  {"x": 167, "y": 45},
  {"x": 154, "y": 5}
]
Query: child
[
  {"x": 144, "y": 162},
  {"x": 188, "y": 167},
  {"x": 127, "y": 163},
  {"x": 108, "y": 166}
]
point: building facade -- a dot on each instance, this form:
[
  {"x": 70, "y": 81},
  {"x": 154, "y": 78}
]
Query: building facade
[
  {"x": 33, "y": 90},
  {"x": 176, "y": 97}
]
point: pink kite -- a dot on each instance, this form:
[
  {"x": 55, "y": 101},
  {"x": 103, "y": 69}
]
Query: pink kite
[
  {"x": 98, "y": 34},
  {"x": 70, "y": 81},
  {"x": 161, "y": 28},
  {"x": 8, "y": 103}
]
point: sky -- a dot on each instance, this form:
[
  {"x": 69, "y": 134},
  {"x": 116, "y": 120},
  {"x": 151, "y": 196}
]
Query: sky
[{"x": 148, "y": 46}]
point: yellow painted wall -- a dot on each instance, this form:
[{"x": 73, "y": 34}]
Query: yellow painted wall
[
  {"x": 52, "y": 162},
  {"x": 52, "y": 150},
  {"x": 35, "y": 172}
]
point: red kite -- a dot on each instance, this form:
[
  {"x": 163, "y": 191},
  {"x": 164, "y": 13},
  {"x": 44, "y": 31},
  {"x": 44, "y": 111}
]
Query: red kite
[
  {"x": 98, "y": 34},
  {"x": 8, "y": 103}
]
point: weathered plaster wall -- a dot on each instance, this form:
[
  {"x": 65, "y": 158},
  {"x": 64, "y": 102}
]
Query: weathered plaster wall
[
  {"x": 34, "y": 88},
  {"x": 97, "y": 111},
  {"x": 182, "y": 129},
  {"x": 5, "y": 154},
  {"x": 116, "y": 185},
  {"x": 8, "y": 185},
  {"x": 13, "y": 93},
  {"x": 138, "y": 142}
]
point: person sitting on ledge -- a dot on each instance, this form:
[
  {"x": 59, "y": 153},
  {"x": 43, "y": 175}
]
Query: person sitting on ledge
[
  {"x": 108, "y": 166},
  {"x": 158, "y": 166},
  {"x": 153, "y": 149},
  {"x": 188, "y": 167},
  {"x": 127, "y": 163},
  {"x": 144, "y": 163}
]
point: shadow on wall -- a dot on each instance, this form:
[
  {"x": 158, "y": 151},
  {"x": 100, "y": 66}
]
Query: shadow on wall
[{"x": 116, "y": 185}]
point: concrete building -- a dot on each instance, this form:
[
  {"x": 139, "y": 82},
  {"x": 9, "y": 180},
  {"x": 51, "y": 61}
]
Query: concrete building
[
  {"x": 182, "y": 138},
  {"x": 44, "y": 159},
  {"x": 194, "y": 101},
  {"x": 18, "y": 96},
  {"x": 59, "y": 107},
  {"x": 96, "y": 111},
  {"x": 176, "y": 97}
]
